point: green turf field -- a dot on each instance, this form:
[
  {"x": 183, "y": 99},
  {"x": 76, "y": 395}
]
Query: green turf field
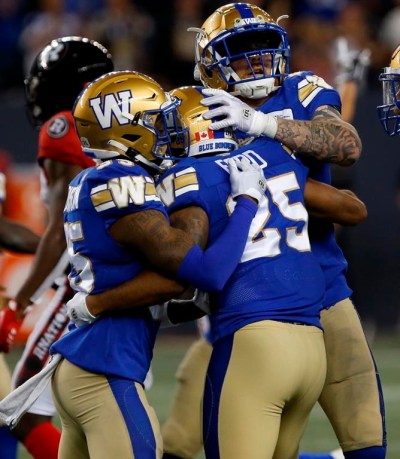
[{"x": 319, "y": 435}]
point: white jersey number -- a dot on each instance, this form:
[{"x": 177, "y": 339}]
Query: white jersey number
[
  {"x": 84, "y": 278},
  {"x": 263, "y": 240}
]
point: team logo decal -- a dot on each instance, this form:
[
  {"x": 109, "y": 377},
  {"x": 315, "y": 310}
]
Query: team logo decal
[
  {"x": 58, "y": 127},
  {"x": 52, "y": 53},
  {"x": 108, "y": 107}
]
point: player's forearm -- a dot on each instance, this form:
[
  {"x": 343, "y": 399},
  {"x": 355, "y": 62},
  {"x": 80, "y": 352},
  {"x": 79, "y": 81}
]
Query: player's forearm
[
  {"x": 328, "y": 203},
  {"x": 333, "y": 141},
  {"x": 51, "y": 248},
  {"x": 209, "y": 270},
  {"x": 354, "y": 211},
  {"x": 145, "y": 289}
]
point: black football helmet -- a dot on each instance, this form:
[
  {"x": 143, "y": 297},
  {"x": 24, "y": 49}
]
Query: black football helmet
[{"x": 60, "y": 72}]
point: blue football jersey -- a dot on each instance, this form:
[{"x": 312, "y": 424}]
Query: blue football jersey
[
  {"x": 298, "y": 98},
  {"x": 278, "y": 277},
  {"x": 119, "y": 345}
]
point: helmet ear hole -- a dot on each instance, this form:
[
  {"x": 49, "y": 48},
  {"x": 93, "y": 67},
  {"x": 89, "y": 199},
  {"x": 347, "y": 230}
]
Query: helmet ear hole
[{"x": 131, "y": 137}]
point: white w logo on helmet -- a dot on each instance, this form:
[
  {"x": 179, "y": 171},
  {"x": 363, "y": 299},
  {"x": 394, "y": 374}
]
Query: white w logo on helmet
[{"x": 112, "y": 107}]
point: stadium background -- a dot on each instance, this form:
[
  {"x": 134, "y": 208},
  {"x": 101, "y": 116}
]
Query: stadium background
[{"x": 151, "y": 37}]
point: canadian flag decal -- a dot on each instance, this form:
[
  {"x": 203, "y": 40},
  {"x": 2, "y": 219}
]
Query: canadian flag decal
[{"x": 204, "y": 135}]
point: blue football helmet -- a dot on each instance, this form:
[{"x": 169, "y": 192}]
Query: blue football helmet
[
  {"x": 241, "y": 31},
  {"x": 389, "y": 111}
]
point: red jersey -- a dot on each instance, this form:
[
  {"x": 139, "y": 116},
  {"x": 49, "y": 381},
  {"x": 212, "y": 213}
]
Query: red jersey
[{"x": 59, "y": 141}]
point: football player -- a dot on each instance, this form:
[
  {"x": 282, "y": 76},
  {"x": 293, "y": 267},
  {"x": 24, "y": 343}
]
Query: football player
[
  {"x": 192, "y": 183},
  {"x": 389, "y": 111},
  {"x": 181, "y": 431},
  {"x": 58, "y": 74},
  {"x": 114, "y": 224},
  {"x": 242, "y": 51}
]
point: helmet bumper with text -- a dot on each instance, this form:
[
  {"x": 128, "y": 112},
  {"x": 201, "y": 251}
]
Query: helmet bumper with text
[
  {"x": 203, "y": 140},
  {"x": 129, "y": 114},
  {"x": 389, "y": 111}
]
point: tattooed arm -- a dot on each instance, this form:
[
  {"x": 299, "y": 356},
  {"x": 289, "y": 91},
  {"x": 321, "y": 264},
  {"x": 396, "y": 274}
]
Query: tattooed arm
[
  {"x": 150, "y": 287},
  {"x": 327, "y": 137},
  {"x": 165, "y": 247},
  {"x": 149, "y": 233}
]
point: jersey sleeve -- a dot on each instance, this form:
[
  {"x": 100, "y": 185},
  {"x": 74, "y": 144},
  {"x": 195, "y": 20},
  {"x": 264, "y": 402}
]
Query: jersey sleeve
[
  {"x": 313, "y": 92},
  {"x": 180, "y": 188},
  {"x": 120, "y": 187},
  {"x": 59, "y": 141},
  {"x": 209, "y": 270}
]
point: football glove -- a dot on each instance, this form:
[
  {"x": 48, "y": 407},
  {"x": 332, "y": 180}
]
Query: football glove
[
  {"x": 177, "y": 311},
  {"x": 246, "y": 178},
  {"x": 237, "y": 114},
  {"x": 352, "y": 64},
  {"x": 78, "y": 311}
]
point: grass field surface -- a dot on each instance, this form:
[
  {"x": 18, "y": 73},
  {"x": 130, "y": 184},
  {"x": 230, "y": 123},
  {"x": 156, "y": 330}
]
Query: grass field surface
[{"x": 319, "y": 435}]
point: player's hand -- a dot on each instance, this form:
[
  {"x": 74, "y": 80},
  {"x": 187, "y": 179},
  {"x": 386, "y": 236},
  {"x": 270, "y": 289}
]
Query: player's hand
[
  {"x": 199, "y": 299},
  {"x": 9, "y": 326},
  {"x": 246, "y": 179},
  {"x": 78, "y": 311},
  {"x": 352, "y": 64},
  {"x": 236, "y": 114},
  {"x": 178, "y": 310}
]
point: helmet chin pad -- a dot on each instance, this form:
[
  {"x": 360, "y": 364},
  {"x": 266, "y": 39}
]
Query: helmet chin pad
[{"x": 256, "y": 89}]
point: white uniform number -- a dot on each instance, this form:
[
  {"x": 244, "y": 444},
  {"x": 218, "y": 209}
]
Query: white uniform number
[{"x": 264, "y": 240}]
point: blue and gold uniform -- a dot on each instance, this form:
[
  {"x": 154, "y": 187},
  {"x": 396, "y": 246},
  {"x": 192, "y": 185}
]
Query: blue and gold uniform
[
  {"x": 105, "y": 362},
  {"x": 298, "y": 98},
  {"x": 114, "y": 353},
  {"x": 98, "y": 386},
  {"x": 240, "y": 48},
  {"x": 353, "y": 404},
  {"x": 267, "y": 342}
]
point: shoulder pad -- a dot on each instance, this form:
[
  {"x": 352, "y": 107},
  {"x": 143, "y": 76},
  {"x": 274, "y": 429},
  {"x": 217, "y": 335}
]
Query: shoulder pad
[{"x": 309, "y": 86}]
